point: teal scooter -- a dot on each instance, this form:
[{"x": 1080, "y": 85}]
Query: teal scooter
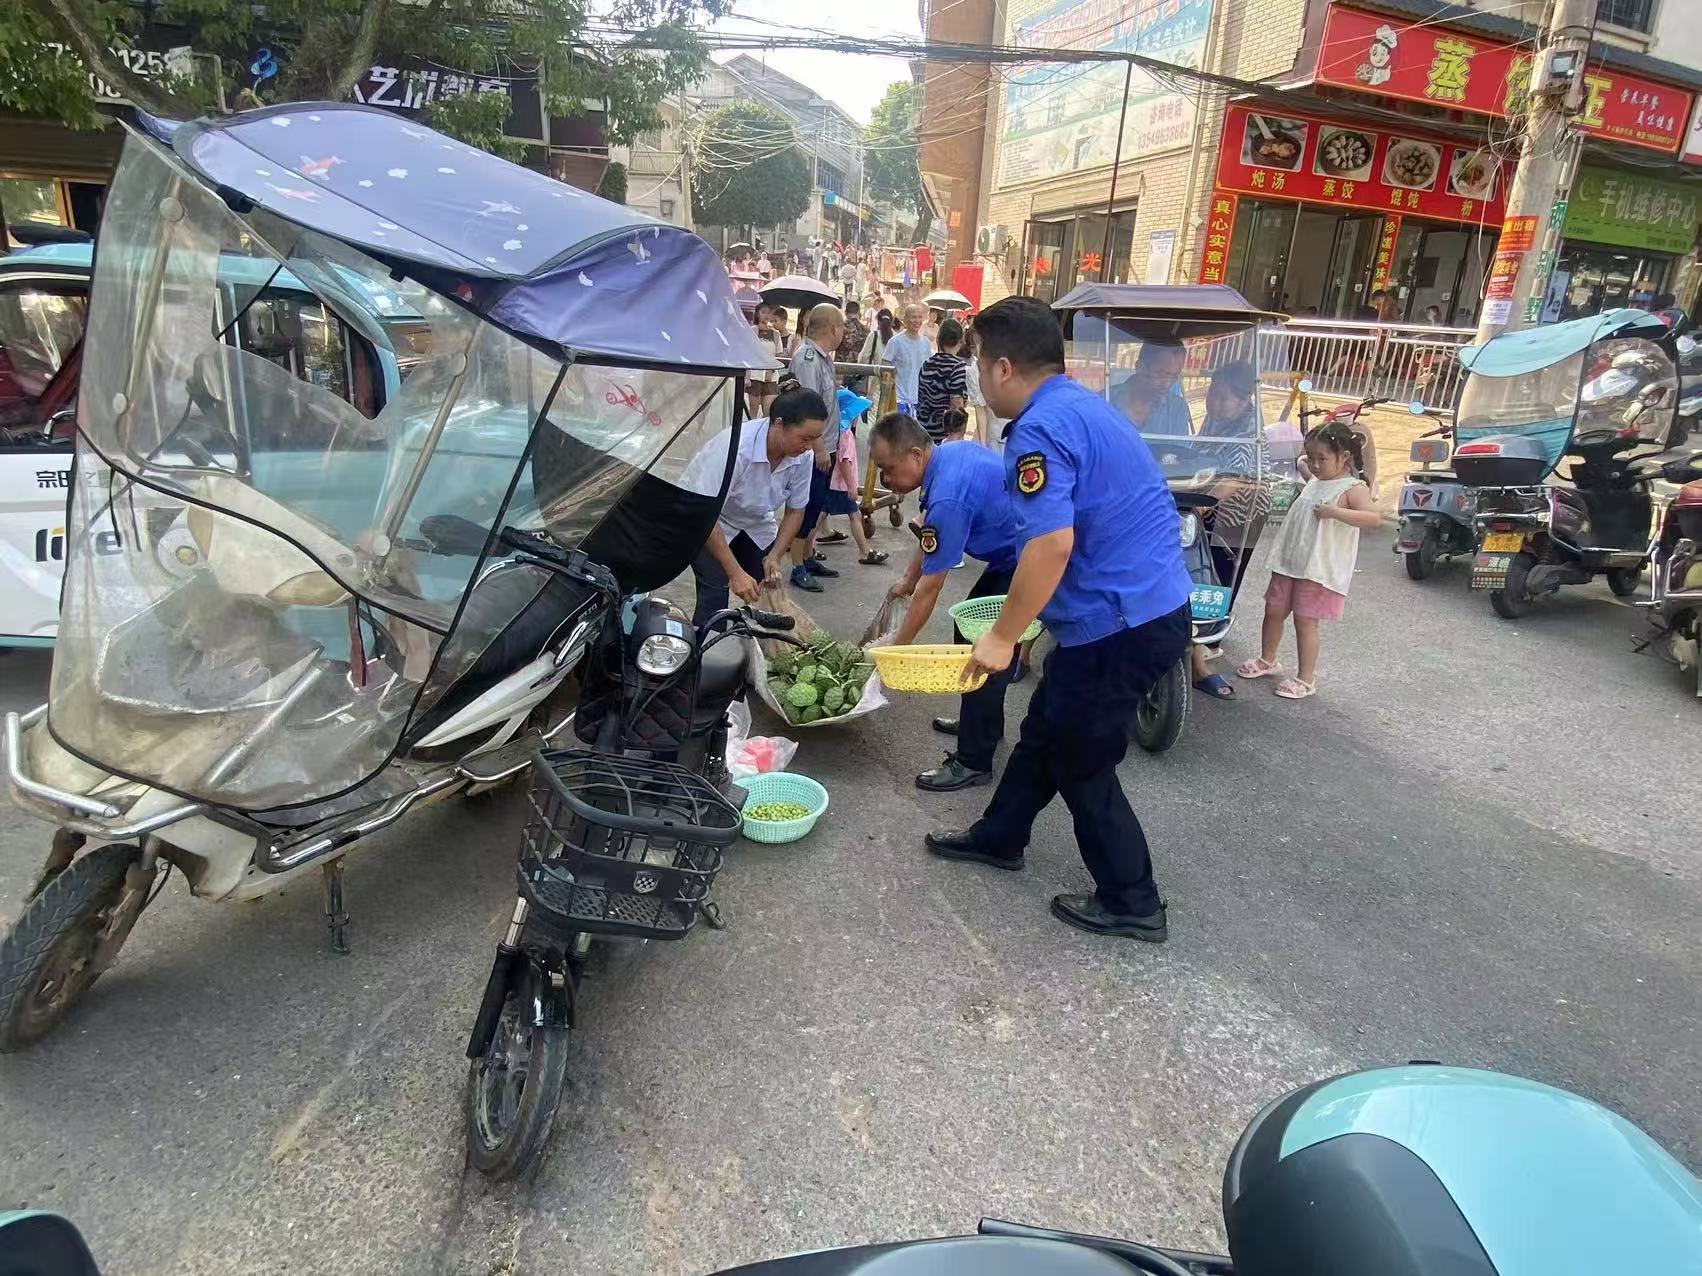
[{"x": 1421, "y": 1170}]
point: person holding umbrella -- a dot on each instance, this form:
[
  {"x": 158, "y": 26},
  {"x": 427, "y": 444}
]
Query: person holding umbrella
[{"x": 812, "y": 368}]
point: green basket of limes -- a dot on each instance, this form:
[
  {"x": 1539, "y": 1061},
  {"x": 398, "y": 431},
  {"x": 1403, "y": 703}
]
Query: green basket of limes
[
  {"x": 780, "y": 806},
  {"x": 975, "y": 616}
]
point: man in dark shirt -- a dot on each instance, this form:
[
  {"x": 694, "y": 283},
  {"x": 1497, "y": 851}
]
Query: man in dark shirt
[{"x": 943, "y": 381}]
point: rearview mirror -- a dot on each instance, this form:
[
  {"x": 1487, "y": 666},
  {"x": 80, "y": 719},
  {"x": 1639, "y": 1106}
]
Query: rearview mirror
[
  {"x": 1305, "y": 386},
  {"x": 1416, "y": 408}
]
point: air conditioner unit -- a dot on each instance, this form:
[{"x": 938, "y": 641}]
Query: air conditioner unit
[{"x": 990, "y": 241}]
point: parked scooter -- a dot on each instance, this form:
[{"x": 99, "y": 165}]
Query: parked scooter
[
  {"x": 622, "y": 839},
  {"x": 1435, "y": 507},
  {"x": 1403, "y": 1171},
  {"x": 1602, "y": 390},
  {"x": 1675, "y": 577}
]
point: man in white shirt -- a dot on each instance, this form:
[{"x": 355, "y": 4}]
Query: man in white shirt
[
  {"x": 907, "y": 352},
  {"x": 771, "y": 469}
]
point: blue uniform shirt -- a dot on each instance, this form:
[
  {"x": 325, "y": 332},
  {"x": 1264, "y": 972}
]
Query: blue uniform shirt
[
  {"x": 1071, "y": 460},
  {"x": 965, "y": 509}
]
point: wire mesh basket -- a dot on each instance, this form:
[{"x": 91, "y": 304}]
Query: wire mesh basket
[{"x": 621, "y": 846}]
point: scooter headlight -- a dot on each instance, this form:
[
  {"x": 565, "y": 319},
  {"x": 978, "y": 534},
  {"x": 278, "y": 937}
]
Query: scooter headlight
[
  {"x": 1190, "y": 529},
  {"x": 662, "y": 654}
]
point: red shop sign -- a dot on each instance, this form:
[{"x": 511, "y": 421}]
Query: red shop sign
[
  {"x": 1418, "y": 62},
  {"x": 1220, "y": 228},
  {"x": 1306, "y": 157}
]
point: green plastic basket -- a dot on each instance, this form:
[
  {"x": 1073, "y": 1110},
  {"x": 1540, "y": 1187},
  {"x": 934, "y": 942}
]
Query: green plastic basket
[
  {"x": 782, "y": 786},
  {"x": 975, "y": 616}
]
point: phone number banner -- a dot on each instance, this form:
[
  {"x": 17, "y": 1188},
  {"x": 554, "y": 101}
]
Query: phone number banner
[
  {"x": 1322, "y": 161},
  {"x": 1418, "y": 62}
]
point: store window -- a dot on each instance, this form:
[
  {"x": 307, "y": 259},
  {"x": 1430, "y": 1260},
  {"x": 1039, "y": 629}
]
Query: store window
[
  {"x": 1633, "y": 15},
  {"x": 1442, "y": 267},
  {"x": 30, "y": 199},
  {"x": 1588, "y": 280},
  {"x": 1063, "y": 252}
]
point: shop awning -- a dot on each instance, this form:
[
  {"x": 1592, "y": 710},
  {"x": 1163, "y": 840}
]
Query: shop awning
[{"x": 1515, "y": 354}]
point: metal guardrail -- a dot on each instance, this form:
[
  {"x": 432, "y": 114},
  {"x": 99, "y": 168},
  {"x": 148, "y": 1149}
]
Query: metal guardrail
[{"x": 1347, "y": 360}]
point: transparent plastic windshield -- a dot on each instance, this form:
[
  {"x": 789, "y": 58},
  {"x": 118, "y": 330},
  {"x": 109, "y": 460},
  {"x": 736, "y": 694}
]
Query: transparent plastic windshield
[
  {"x": 1630, "y": 390},
  {"x": 253, "y": 603},
  {"x": 1200, "y": 405}
]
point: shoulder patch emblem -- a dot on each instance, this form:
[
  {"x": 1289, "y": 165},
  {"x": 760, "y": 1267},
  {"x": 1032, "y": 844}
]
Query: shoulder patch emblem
[
  {"x": 1031, "y": 473},
  {"x": 930, "y": 538}
]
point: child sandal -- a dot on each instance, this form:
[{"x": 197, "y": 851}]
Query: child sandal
[
  {"x": 1256, "y": 668},
  {"x": 1294, "y": 689}
]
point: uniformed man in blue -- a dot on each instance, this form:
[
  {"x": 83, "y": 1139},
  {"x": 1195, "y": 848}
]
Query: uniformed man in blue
[
  {"x": 964, "y": 511},
  {"x": 1101, "y": 565}
]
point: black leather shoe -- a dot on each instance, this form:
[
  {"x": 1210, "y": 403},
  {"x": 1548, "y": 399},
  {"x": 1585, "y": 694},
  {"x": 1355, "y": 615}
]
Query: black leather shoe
[
  {"x": 1085, "y": 912},
  {"x": 959, "y": 846},
  {"x": 946, "y": 726},
  {"x": 951, "y": 775}
]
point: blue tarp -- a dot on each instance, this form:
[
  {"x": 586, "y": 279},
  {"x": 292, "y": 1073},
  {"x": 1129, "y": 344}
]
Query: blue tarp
[
  {"x": 1514, "y": 354},
  {"x": 540, "y": 258}
]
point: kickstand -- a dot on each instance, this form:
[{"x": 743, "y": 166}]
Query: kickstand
[
  {"x": 712, "y": 915},
  {"x": 331, "y": 877}
]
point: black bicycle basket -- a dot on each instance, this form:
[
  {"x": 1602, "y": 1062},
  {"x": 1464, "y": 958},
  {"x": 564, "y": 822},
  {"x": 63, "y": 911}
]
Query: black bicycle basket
[{"x": 619, "y": 845}]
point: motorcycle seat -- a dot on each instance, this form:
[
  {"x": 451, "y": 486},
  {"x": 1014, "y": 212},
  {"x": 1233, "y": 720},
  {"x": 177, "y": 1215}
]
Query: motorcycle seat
[{"x": 1433, "y": 476}]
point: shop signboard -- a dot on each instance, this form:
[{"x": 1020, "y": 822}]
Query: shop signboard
[
  {"x": 1323, "y": 161},
  {"x": 1219, "y": 227},
  {"x": 1385, "y": 265},
  {"x": 1420, "y": 62},
  {"x": 1062, "y": 118},
  {"x": 1693, "y": 139},
  {"x": 1161, "y": 247},
  {"x": 1632, "y": 210}
]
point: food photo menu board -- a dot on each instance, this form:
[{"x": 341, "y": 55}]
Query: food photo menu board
[{"x": 1288, "y": 155}]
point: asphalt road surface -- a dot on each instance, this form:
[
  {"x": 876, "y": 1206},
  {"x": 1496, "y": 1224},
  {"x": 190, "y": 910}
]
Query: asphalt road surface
[{"x": 1477, "y": 844}]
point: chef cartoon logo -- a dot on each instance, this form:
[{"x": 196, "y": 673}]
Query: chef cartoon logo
[
  {"x": 1378, "y": 54},
  {"x": 1031, "y": 473},
  {"x": 930, "y": 538}
]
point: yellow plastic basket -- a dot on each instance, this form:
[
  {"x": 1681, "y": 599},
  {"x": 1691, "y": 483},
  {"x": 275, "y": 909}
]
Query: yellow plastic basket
[{"x": 932, "y": 669}]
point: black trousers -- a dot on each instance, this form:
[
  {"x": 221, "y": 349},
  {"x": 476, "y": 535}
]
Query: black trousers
[
  {"x": 1074, "y": 735},
  {"x": 981, "y": 715},
  {"x": 712, "y": 587}
]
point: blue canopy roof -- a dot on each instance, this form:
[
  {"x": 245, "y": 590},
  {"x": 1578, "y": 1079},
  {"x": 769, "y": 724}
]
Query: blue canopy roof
[
  {"x": 1514, "y": 354},
  {"x": 536, "y": 256}
]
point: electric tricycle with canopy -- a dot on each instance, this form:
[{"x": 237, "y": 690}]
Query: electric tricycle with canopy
[
  {"x": 1602, "y": 391},
  {"x": 1182, "y": 363},
  {"x": 287, "y": 621}
]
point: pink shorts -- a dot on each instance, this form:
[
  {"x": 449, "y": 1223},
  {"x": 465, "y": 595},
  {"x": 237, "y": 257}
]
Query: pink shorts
[{"x": 1304, "y": 598}]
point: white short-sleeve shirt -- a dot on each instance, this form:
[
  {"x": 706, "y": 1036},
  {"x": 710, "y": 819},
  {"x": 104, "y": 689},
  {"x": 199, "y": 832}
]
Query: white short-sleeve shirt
[{"x": 757, "y": 490}]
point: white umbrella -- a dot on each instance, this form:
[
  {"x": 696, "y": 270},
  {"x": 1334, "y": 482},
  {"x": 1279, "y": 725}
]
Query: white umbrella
[
  {"x": 797, "y": 292},
  {"x": 947, "y": 299}
]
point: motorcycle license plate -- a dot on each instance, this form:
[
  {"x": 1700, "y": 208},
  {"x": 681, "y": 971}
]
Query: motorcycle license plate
[
  {"x": 1489, "y": 571},
  {"x": 1503, "y": 542},
  {"x": 1209, "y": 602}
]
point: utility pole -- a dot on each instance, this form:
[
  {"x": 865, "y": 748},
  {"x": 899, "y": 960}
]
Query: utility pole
[{"x": 1542, "y": 186}]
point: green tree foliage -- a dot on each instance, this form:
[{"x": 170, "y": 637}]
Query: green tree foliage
[
  {"x": 889, "y": 162},
  {"x": 476, "y": 119},
  {"x": 747, "y": 169},
  {"x": 324, "y": 46},
  {"x": 612, "y": 187}
]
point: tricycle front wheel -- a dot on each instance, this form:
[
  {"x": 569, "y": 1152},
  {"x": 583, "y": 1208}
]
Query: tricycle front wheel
[{"x": 65, "y": 937}]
